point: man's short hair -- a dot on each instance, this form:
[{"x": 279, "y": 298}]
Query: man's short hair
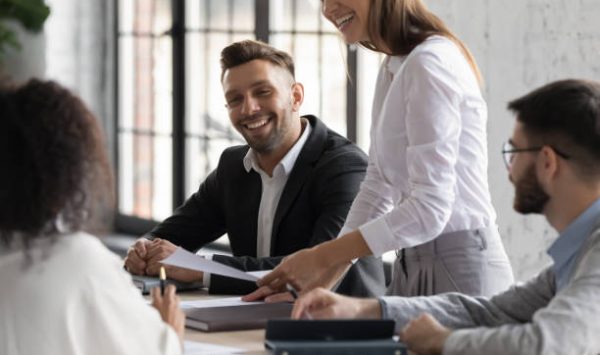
[
  {"x": 245, "y": 51},
  {"x": 566, "y": 115}
]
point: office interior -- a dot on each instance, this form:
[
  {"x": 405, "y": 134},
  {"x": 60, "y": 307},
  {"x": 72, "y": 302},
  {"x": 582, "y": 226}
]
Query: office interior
[{"x": 149, "y": 71}]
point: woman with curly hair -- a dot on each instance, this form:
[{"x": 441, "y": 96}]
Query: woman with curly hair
[{"x": 62, "y": 291}]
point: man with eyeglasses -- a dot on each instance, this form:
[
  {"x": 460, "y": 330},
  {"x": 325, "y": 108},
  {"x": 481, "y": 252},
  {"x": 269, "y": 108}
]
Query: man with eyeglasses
[{"x": 553, "y": 160}]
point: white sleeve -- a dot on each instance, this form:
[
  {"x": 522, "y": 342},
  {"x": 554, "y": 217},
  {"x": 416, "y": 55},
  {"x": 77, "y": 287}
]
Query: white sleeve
[
  {"x": 433, "y": 127},
  {"x": 117, "y": 319},
  {"x": 373, "y": 199}
]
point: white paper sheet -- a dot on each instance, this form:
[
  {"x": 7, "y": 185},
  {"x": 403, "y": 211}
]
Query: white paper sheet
[
  {"x": 217, "y": 302},
  {"x": 195, "y": 348},
  {"x": 185, "y": 259}
]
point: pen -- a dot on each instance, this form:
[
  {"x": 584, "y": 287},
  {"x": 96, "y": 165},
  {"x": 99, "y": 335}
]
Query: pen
[
  {"x": 292, "y": 290},
  {"x": 294, "y": 294},
  {"x": 162, "y": 276}
]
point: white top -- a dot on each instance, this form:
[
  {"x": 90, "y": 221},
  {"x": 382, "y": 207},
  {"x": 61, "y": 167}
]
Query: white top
[
  {"x": 75, "y": 298},
  {"x": 427, "y": 172},
  {"x": 272, "y": 187}
]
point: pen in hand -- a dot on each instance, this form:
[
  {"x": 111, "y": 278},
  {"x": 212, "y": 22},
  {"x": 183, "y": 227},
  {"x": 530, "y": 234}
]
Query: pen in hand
[
  {"x": 163, "y": 277},
  {"x": 294, "y": 294}
]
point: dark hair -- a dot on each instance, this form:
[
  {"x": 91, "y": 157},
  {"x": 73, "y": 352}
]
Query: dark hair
[
  {"x": 404, "y": 24},
  {"x": 55, "y": 174},
  {"x": 566, "y": 115},
  {"x": 242, "y": 52}
]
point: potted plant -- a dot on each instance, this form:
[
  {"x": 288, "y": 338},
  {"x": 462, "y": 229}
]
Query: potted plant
[{"x": 30, "y": 14}]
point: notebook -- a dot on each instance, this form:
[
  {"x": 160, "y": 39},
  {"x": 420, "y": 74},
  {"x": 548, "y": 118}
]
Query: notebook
[{"x": 252, "y": 316}]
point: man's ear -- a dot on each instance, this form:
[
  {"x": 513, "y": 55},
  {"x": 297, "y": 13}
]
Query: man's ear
[
  {"x": 297, "y": 96},
  {"x": 547, "y": 166}
]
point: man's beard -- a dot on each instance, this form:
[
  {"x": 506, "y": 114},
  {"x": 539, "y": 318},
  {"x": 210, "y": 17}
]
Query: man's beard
[
  {"x": 529, "y": 195},
  {"x": 273, "y": 141}
]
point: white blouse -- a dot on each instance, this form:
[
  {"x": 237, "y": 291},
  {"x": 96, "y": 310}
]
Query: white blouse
[
  {"x": 75, "y": 298},
  {"x": 427, "y": 171}
]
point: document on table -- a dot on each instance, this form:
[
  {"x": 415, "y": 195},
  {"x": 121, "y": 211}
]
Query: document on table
[
  {"x": 185, "y": 259},
  {"x": 195, "y": 348},
  {"x": 217, "y": 302}
]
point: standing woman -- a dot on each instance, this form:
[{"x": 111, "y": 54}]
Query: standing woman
[{"x": 426, "y": 193}]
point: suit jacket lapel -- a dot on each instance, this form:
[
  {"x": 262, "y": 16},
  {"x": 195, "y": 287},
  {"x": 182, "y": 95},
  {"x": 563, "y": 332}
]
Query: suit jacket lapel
[{"x": 302, "y": 168}]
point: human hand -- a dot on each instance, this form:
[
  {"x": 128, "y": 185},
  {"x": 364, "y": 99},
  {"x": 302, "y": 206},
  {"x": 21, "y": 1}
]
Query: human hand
[
  {"x": 168, "y": 307},
  {"x": 269, "y": 296},
  {"x": 324, "y": 304},
  {"x": 157, "y": 250},
  {"x": 424, "y": 335},
  {"x": 304, "y": 270},
  {"x": 135, "y": 261}
]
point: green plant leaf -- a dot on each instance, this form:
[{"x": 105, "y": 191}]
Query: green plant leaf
[
  {"x": 30, "y": 13},
  {"x": 7, "y": 39}
]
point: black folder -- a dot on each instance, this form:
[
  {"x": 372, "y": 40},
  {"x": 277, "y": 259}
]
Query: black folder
[
  {"x": 329, "y": 337},
  {"x": 252, "y": 316}
]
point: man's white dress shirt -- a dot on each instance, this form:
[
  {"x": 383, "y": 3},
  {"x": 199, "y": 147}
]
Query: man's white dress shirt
[
  {"x": 427, "y": 171},
  {"x": 272, "y": 188}
]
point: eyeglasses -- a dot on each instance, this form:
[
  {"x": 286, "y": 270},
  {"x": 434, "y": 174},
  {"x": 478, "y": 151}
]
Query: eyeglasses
[{"x": 509, "y": 151}]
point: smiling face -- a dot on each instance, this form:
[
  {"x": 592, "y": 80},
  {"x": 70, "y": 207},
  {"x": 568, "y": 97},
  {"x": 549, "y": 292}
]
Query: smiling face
[
  {"x": 350, "y": 17},
  {"x": 263, "y": 102}
]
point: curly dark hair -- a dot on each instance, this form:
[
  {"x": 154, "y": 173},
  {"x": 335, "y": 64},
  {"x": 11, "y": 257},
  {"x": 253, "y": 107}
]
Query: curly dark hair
[{"x": 55, "y": 173}]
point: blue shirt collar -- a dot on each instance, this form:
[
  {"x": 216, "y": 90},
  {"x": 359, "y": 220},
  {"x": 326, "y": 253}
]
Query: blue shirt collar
[{"x": 566, "y": 248}]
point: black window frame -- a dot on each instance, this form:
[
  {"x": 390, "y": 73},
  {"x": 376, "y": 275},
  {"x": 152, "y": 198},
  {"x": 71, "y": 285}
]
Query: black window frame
[{"x": 133, "y": 225}]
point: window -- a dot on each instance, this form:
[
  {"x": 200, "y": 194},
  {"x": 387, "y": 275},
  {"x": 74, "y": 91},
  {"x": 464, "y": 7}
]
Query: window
[{"x": 172, "y": 124}]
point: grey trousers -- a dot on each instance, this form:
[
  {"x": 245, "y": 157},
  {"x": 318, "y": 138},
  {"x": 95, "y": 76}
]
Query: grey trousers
[{"x": 470, "y": 262}]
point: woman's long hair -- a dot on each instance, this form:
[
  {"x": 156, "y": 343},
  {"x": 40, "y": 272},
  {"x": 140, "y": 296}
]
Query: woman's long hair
[{"x": 404, "y": 24}]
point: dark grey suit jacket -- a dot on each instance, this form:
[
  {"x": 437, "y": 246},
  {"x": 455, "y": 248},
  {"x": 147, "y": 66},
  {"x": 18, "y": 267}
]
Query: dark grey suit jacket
[{"x": 312, "y": 209}]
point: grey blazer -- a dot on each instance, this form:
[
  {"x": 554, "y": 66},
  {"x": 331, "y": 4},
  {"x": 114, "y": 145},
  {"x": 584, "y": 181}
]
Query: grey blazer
[{"x": 530, "y": 318}]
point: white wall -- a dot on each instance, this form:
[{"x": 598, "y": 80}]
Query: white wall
[
  {"x": 520, "y": 45},
  {"x": 79, "y": 54},
  {"x": 28, "y": 61}
]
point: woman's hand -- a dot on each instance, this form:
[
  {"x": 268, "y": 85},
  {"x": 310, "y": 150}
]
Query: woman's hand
[
  {"x": 168, "y": 307},
  {"x": 320, "y": 266},
  {"x": 304, "y": 270},
  {"x": 425, "y": 335},
  {"x": 324, "y": 304}
]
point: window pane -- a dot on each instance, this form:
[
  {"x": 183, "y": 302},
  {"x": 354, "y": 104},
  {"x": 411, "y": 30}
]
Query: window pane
[
  {"x": 203, "y": 157},
  {"x": 145, "y": 189},
  {"x": 305, "y": 15},
  {"x": 208, "y": 129},
  {"x": 322, "y": 73},
  {"x": 144, "y": 16},
  {"x": 334, "y": 80},
  {"x": 243, "y": 15},
  {"x": 145, "y": 111},
  {"x": 298, "y": 15},
  {"x": 206, "y": 105}
]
